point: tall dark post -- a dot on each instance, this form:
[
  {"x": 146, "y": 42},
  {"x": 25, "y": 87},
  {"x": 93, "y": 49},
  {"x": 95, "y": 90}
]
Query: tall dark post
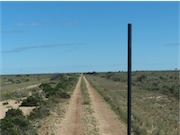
[{"x": 129, "y": 78}]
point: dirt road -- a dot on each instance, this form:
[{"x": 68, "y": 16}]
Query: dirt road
[
  {"x": 72, "y": 122},
  {"x": 108, "y": 122}
]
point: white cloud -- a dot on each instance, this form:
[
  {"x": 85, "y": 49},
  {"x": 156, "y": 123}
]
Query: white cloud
[
  {"x": 48, "y": 23},
  {"x": 22, "y": 49}
]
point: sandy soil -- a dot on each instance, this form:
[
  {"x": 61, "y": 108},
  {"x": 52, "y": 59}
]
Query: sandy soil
[
  {"x": 108, "y": 121},
  {"x": 13, "y": 104},
  {"x": 50, "y": 124}
]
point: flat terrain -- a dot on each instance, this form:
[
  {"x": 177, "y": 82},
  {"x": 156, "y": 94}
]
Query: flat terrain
[
  {"x": 93, "y": 103},
  {"x": 155, "y": 99},
  {"x": 72, "y": 122}
]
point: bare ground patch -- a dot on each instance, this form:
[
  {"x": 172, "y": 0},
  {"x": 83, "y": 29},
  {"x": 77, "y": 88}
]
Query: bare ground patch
[{"x": 13, "y": 104}]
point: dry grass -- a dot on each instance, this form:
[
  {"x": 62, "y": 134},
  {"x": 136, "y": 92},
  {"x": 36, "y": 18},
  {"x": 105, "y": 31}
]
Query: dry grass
[
  {"x": 153, "y": 113},
  {"x": 17, "y": 86}
]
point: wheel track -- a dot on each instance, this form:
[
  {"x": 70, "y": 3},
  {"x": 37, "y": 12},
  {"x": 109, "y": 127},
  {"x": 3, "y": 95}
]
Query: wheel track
[
  {"x": 71, "y": 124},
  {"x": 108, "y": 121}
]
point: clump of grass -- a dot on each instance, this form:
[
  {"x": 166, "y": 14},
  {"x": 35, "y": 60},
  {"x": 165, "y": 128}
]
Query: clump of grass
[
  {"x": 85, "y": 95},
  {"x": 32, "y": 101},
  {"x": 39, "y": 112},
  {"x": 90, "y": 122}
]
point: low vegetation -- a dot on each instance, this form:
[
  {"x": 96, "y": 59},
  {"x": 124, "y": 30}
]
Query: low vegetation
[
  {"x": 85, "y": 95},
  {"x": 32, "y": 101},
  {"x": 40, "y": 112},
  {"x": 60, "y": 89},
  {"x": 17, "y": 86},
  {"x": 15, "y": 123},
  {"x": 44, "y": 98},
  {"x": 154, "y": 107},
  {"x": 165, "y": 82},
  {"x": 54, "y": 91}
]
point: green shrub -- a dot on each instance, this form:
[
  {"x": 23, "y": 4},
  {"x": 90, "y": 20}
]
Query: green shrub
[
  {"x": 49, "y": 91},
  {"x": 14, "y": 123},
  {"x": 39, "y": 112},
  {"x": 59, "y": 90},
  {"x": 17, "y": 81},
  {"x": 10, "y": 80},
  {"x": 14, "y": 112},
  {"x": 176, "y": 92},
  {"x": 32, "y": 101},
  {"x": 61, "y": 86},
  {"x": 64, "y": 95},
  {"x": 141, "y": 78},
  {"x": 26, "y": 80},
  {"x": 57, "y": 77},
  {"x": 45, "y": 86}
]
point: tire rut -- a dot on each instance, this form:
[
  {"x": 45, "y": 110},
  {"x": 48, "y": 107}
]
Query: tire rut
[
  {"x": 71, "y": 123},
  {"x": 108, "y": 121}
]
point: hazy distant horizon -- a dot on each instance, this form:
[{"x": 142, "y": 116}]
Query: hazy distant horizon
[{"x": 92, "y": 71}]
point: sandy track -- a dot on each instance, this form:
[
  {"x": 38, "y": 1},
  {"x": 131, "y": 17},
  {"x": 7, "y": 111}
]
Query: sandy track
[
  {"x": 71, "y": 124},
  {"x": 108, "y": 121}
]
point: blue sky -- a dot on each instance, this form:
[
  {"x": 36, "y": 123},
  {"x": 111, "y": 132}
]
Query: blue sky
[{"x": 48, "y": 37}]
